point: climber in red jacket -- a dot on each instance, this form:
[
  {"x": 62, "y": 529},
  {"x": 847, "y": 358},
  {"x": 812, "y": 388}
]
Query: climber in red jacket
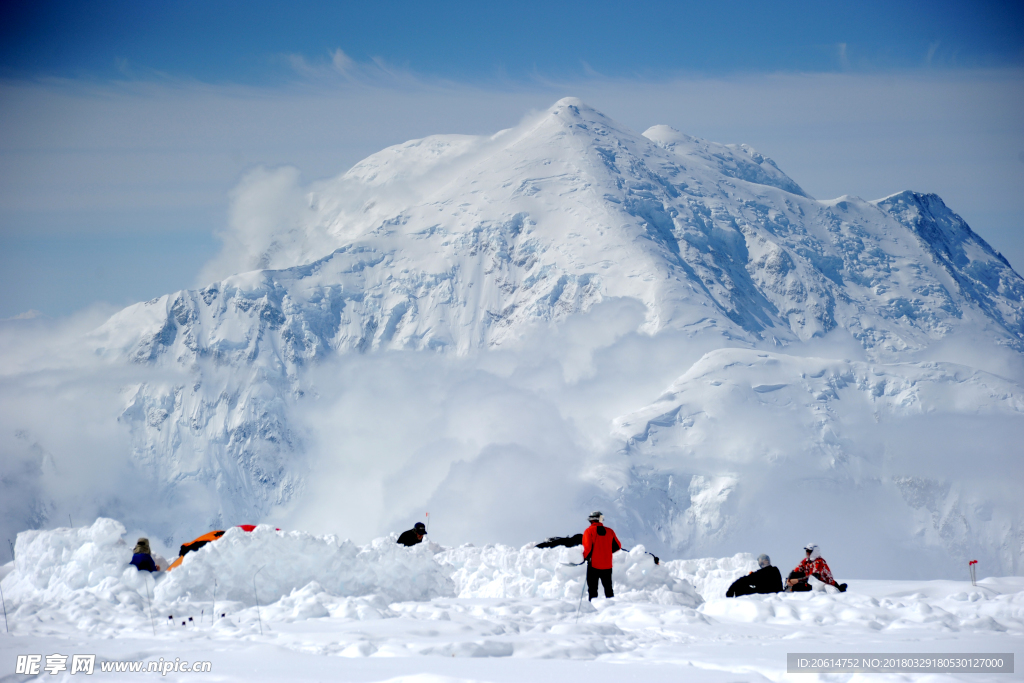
[
  {"x": 812, "y": 565},
  {"x": 599, "y": 542}
]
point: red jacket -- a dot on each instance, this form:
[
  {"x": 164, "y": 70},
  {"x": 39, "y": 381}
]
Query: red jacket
[
  {"x": 817, "y": 568},
  {"x": 599, "y": 548}
]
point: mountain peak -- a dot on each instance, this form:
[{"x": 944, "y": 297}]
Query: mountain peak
[
  {"x": 575, "y": 108},
  {"x": 573, "y": 114}
]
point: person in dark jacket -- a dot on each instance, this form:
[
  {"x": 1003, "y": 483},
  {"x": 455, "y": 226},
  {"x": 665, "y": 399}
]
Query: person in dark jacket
[
  {"x": 143, "y": 557},
  {"x": 414, "y": 535},
  {"x": 767, "y": 579},
  {"x": 599, "y": 542}
]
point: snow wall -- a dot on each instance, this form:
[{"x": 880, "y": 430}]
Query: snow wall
[
  {"x": 80, "y": 578},
  {"x": 82, "y": 575}
]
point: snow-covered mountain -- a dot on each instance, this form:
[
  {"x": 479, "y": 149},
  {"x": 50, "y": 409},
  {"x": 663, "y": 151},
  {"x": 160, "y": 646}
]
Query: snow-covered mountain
[
  {"x": 468, "y": 247},
  {"x": 457, "y": 242}
]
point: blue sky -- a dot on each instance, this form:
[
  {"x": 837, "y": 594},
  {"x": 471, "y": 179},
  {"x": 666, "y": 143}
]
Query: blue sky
[
  {"x": 244, "y": 42},
  {"x": 125, "y": 125}
]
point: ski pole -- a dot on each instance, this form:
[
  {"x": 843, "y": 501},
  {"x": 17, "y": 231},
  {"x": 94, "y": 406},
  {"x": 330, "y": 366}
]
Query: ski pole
[
  {"x": 428, "y": 523},
  {"x": 580, "y": 607},
  {"x": 150, "y": 600},
  {"x": 257, "y": 598},
  {"x": 972, "y": 564},
  {"x": 5, "y": 610}
]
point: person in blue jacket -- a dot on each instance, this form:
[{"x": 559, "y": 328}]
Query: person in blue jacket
[{"x": 143, "y": 557}]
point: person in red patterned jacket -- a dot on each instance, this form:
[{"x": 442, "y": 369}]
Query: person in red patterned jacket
[
  {"x": 599, "y": 542},
  {"x": 812, "y": 565}
]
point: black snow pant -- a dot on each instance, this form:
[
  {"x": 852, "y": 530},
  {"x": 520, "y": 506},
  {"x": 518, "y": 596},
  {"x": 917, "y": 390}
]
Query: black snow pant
[
  {"x": 801, "y": 587},
  {"x": 605, "y": 576},
  {"x": 740, "y": 586}
]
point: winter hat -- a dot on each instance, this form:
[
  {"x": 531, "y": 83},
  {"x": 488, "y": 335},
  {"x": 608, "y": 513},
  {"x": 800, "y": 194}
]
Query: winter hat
[
  {"x": 596, "y": 516},
  {"x": 420, "y": 527},
  {"x": 763, "y": 560},
  {"x": 814, "y": 550},
  {"x": 143, "y": 547}
]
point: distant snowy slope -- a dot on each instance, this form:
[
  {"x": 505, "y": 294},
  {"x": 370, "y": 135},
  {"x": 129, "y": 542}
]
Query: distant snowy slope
[
  {"x": 973, "y": 269},
  {"x": 466, "y": 247},
  {"x": 747, "y": 442}
]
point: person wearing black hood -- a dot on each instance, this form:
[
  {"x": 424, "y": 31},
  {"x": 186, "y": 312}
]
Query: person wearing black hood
[
  {"x": 767, "y": 579},
  {"x": 414, "y": 535}
]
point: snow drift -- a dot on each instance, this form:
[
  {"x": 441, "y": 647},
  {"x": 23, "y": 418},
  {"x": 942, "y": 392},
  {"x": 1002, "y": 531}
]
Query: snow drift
[
  {"x": 82, "y": 576},
  {"x": 504, "y": 572}
]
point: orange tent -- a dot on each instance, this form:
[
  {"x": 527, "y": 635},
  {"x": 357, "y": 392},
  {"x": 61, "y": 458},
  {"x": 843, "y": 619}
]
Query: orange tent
[{"x": 198, "y": 543}]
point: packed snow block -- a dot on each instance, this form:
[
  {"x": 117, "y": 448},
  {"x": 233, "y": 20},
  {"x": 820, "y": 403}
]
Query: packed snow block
[
  {"x": 53, "y": 564},
  {"x": 712, "y": 576},
  {"x": 499, "y": 571},
  {"x": 283, "y": 561},
  {"x": 76, "y": 575},
  {"x": 312, "y": 602},
  {"x": 82, "y": 576}
]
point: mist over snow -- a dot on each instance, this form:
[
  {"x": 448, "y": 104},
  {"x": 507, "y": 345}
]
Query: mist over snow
[{"x": 510, "y": 330}]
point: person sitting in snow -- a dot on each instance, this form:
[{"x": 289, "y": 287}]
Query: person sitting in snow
[
  {"x": 599, "y": 542},
  {"x": 812, "y": 565},
  {"x": 414, "y": 535},
  {"x": 767, "y": 579},
  {"x": 143, "y": 557}
]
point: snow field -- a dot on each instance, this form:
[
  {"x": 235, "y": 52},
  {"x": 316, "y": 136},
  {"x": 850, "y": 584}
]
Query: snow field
[
  {"x": 383, "y": 604},
  {"x": 81, "y": 577}
]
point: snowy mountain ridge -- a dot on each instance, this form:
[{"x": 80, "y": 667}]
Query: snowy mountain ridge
[
  {"x": 543, "y": 221},
  {"x": 459, "y": 245}
]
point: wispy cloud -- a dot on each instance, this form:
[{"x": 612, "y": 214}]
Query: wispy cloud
[
  {"x": 589, "y": 70},
  {"x": 335, "y": 67},
  {"x": 27, "y": 315},
  {"x": 341, "y": 61},
  {"x": 844, "y": 61}
]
